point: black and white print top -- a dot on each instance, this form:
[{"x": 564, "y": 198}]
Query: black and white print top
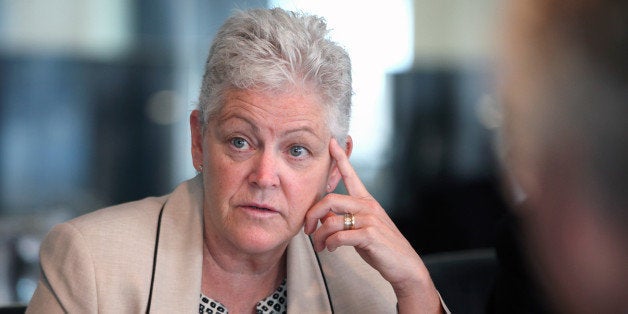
[{"x": 275, "y": 303}]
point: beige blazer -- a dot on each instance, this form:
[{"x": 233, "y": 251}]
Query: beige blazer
[{"x": 102, "y": 262}]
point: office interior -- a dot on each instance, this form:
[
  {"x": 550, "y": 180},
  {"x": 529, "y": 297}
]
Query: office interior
[{"x": 95, "y": 97}]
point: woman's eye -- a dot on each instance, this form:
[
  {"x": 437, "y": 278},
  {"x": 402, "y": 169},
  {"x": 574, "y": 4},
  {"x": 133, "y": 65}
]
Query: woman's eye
[
  {"x": 239, "y": 142},
  {"x": 297, "y": 151}
]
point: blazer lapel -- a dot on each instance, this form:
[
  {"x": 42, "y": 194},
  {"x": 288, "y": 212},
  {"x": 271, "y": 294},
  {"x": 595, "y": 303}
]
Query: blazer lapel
[
  {"x": 306, "y": 288},
  {"x": 180, "y": 252}
]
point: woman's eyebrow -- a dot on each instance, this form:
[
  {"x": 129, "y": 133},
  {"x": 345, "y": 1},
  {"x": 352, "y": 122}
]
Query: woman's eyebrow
[
  {"x": 224, "y": 120},
  {"x": 304, "y": 129}
]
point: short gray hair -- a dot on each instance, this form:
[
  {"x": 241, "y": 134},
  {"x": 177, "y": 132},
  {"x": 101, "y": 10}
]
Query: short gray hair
[{"x": 272, "y": 49}]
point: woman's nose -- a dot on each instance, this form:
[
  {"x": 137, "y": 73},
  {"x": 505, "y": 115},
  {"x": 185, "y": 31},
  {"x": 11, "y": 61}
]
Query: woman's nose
[{"x": 265, "y": 170}]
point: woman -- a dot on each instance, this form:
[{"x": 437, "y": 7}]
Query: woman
[{"x": 274, "y": 105}]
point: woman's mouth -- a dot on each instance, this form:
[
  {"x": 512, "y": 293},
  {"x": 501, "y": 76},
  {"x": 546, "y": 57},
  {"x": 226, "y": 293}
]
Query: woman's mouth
[{"x": 260, "y": 208}]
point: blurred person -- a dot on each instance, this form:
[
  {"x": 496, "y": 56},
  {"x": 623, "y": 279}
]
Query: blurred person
[
  {"x": 564, "y": 71},
  {"x": 270, "y": 144}
]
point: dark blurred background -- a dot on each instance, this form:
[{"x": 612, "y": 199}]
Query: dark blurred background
[{"x": 95, "y": 96}]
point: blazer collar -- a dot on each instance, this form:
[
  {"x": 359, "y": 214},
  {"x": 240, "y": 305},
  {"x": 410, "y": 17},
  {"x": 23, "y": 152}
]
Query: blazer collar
[
  {"x": 178, "y": 270},
  {"x": 307, "y": 291}
]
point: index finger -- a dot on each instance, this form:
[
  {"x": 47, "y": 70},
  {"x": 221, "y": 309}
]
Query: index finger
[{"x": 354, "y": 185}]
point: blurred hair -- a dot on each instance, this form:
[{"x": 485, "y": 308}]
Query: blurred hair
[
  {"x": 274, "y": 50},
  {"x": 581, "y": 51}
]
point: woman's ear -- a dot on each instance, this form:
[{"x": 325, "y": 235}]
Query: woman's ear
[
  {"x": 196, "y": 128},
  {"x": 334, "y": 173}
]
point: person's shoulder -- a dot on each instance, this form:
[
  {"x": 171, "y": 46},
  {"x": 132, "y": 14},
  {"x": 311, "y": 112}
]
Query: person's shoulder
[
  {"x": 111, "y": 244},
  {"x": 132, "y": 220},
  {"x": 133, "y": 213},
  {"x": 185, "y": 195},
  {"x": 119, "y": 223}
]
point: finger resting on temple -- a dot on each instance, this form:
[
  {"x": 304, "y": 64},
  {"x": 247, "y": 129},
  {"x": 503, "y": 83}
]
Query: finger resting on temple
[{"x": 352, "y": 182}]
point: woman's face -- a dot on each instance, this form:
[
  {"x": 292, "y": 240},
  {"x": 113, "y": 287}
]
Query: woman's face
[{"x": 266, "y": 161}]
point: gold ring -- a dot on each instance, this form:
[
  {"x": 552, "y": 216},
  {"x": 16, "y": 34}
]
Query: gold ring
[{"x": 349, "y": 221}]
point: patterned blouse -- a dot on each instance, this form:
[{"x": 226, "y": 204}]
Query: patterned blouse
[{"x": 275, "y": 303}]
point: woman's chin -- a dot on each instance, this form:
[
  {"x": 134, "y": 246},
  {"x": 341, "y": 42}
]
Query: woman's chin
[{"x": 256, "y": 240}]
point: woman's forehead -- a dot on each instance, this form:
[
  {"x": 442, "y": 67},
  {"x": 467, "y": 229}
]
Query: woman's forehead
[
  {"x": 281, "y": 111},
  {"x": 292, "y": 102}
]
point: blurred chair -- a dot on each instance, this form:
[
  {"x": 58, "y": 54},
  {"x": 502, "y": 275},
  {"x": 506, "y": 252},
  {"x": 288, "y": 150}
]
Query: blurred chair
[{"x": 464, "y": 278}]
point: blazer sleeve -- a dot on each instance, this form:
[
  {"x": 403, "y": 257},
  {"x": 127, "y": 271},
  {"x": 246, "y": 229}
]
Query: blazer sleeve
[{"x": 67, "y": 282}]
